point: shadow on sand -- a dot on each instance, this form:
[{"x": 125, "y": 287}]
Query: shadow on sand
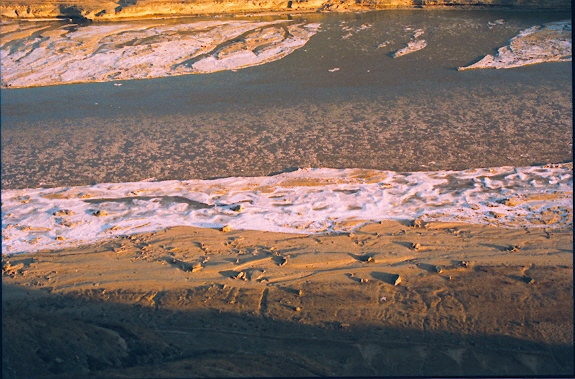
[{"x": 67, "y": 336}]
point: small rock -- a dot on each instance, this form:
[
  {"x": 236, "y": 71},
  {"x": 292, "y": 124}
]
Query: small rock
[
  {"x": 511, "y": 202},
  {"x": 417, "y": 223},
  {"x": 396, "y": 280},
  {"x": 197, "y": 267},
  {"x": 415, "y": 246},
  {"x": 6, "y": 265},
  {"x": 367, "y": 259},
  {"x": 226, "y": 228},
  {"x": 63, "y": 212},
  {"x": 99, "y": 213},
  {"x": 59, "y": 238},
  {"x": 528, "y": 280},
  {"x": 237, "y": 208},
  {"x": 298, "y": 309}
]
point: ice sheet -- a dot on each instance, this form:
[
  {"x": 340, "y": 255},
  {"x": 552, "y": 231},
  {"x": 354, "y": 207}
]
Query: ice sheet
[
  {"x": 70, "y": 53},
  {"x": 303, "y": 201},
  {"x": 545, "y": 43}
]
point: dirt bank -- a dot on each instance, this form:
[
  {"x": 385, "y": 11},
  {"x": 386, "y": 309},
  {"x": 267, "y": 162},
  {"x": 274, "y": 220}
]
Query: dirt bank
[
  {"x": 95, "y": 10},
  {"x": 390, "y": 299}
]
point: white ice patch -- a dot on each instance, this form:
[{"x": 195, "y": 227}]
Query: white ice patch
[
  {"x": 539, "y": 44},
  {"x": 412, "y": 46},
  {"x": 70, "y": 54},
  {"x": 304, "y": 201},
  {"x": 251, "y": 51}
]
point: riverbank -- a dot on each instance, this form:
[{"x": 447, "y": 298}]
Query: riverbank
[
  {"x": 392, "y": 298},
  {"x": 102, "y": 10}
]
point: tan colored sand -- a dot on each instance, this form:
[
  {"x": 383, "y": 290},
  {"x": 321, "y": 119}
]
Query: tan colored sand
[{"x": 186, "y": 302}]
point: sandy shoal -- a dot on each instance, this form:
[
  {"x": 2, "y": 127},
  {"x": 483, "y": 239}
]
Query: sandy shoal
[{"x": 389, "y": 299}]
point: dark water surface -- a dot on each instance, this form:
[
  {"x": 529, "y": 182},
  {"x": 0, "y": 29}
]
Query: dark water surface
[{"x": 411, "y": 113}]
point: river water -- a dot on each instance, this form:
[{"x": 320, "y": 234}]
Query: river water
[{"x": 340, "y": 101}]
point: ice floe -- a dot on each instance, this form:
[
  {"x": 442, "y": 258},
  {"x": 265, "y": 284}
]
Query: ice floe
[
  {"x": 57, "y": 54},
  {"x": 412, "y": 46},
  {"x": 545, "y": 43},
  {"x": 303, "y": 201}
]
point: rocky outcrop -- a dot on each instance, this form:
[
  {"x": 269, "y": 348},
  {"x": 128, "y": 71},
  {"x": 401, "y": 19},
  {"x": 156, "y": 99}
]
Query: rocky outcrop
[{"x": 120, "y": 9}]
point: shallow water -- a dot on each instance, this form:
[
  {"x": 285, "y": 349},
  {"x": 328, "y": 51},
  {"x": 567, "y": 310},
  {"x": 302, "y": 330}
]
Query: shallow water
[{"x": 411, "y": 113}]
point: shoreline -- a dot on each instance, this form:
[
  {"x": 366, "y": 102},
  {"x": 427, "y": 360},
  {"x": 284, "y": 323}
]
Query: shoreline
[
  {"x": 96, "y": 11},
  {"x": 463, "y": 304},
  {"x": 286, "y": 13}
]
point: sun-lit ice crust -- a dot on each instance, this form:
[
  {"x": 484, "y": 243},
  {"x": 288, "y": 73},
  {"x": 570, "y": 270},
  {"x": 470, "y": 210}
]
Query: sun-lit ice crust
[
  {"x": 48, "y": 53},
  {"x": 305, "y": 201},
  {"x": 413, "y": 45},
  {"x": 539, "y": 44}
]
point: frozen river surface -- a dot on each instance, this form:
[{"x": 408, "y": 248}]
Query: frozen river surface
[
  {"x": 382, "y": 91},
  {"x": 339, "y": 100}
]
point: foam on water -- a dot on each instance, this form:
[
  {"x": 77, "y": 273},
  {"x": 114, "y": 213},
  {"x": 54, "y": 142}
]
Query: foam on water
[
  {"x": 303, "y": 201},
  {"x": 545, "y": 43},
  {"x": 68, "y": 54}
]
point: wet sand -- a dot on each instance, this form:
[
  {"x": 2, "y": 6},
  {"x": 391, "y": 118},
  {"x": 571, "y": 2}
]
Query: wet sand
[{"x": 390, "y": 299}]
